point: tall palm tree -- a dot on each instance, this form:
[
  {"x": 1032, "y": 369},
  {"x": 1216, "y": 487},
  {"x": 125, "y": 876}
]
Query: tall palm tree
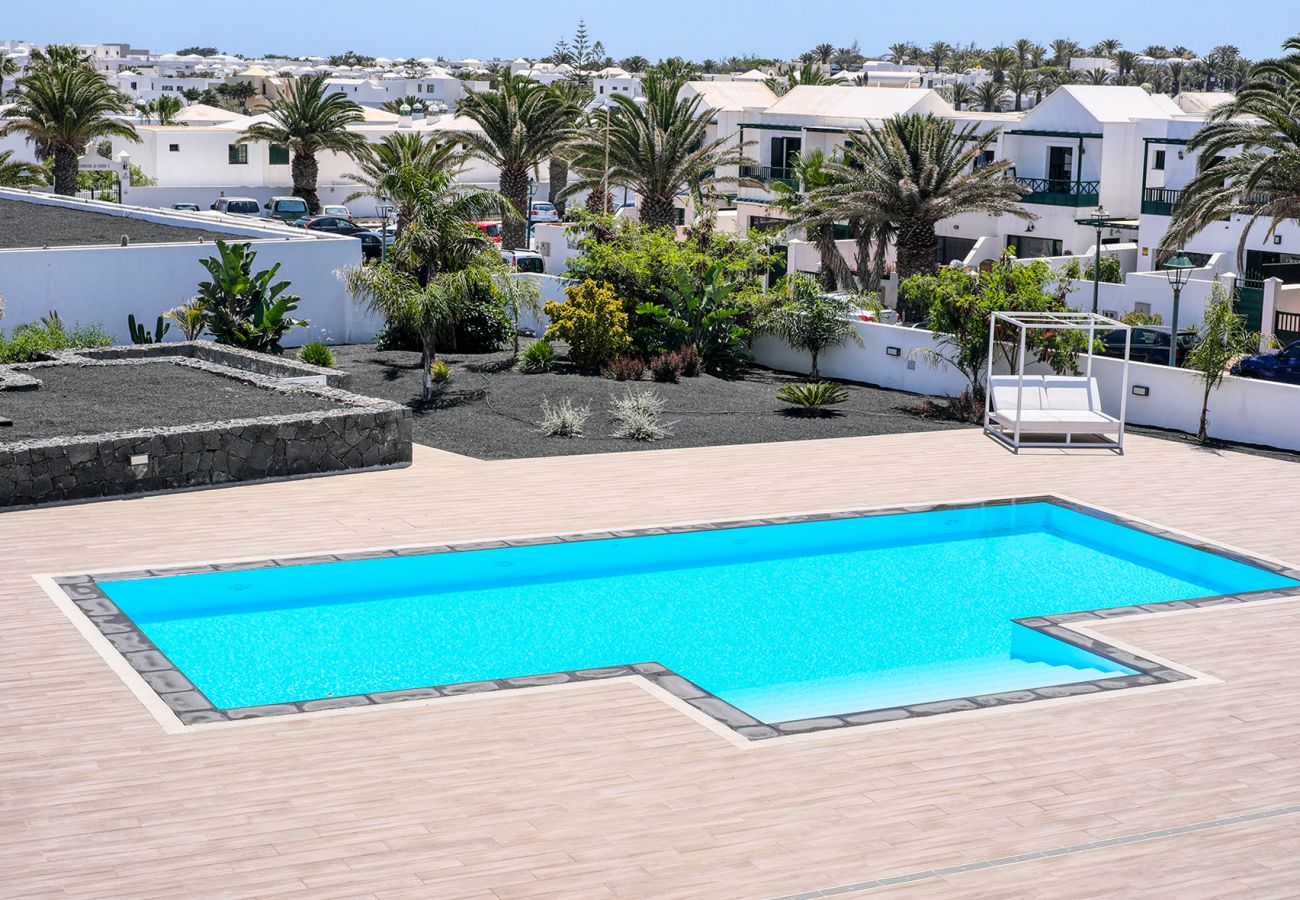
[
  {"x": 938, "y": 53},
  {"x": 8, "y": 69},
  {"x": 1176, "y": 69},
  {"x": 915, "y": 171},
  {"x": 62, "y": 105},
  {"x": 990, "y": 96},
  {"x": 575, "y": 98},
  {"x": 960, "y": 94},
  {"x": 1063, "y": 50},
  {"x": 824, "y": 53},
  {"x": 808, "y": 73},
  {"x": 1125, "y": 60},
  {"x": 998, "y": 61},
  {"x": 1097, "y": 76},
  {"x": 898, "y": 53},
  {"x": 1262, "y": 181},
  {"x": 1020, "y": 82},
  {"x": 19, "y": 174},
  {"x": 1107, "y": 48},
  {"x": 401, "y": 167},
  {"x": 806, "y": 204},
  {"x": 521, "y": 124},
  {"x": 657, "y": 148},
  {"x": 1023, "y": 47},
  {"x": 309, "y": 117}
]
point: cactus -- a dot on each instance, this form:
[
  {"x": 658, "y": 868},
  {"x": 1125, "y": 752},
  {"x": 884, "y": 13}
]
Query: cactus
[{"x": 141, "y": 335}]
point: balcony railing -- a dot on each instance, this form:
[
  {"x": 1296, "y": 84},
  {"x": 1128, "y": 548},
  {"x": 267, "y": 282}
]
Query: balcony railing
[
  {"x": 1061, "y": 192},
  {"x": 1159, "y": 201},
  {"x": 770, "y": 173}
]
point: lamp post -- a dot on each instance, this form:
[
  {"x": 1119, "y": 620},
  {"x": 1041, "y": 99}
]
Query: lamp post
[
  {"x": 1176, "y": 270},
  {"x": 1098, "y": 220},
  {"x": 528, "y": 235}
]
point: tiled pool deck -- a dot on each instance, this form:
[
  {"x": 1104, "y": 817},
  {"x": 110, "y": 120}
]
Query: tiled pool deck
[{"x": 603, "y": 789}]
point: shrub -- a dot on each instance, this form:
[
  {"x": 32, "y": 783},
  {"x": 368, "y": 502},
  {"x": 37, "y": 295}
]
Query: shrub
[
  {"x": 440, "y": 372},
  {"x": 638, "y": 416},
  {"x": 692, "y": 362},
  {"x": 666, "y": 367},
  {"x": 538, "y": 357},
  {"x": 189, "y": 316},
  {"x": 36, "y": 340},
  {"x": 1141, "y": 318},
  {"x": 317, "y": 354},
  {"x": 563, "y": 419},
  {"x": 812, "y": 399},
  {"x": 700, "y": 310},
  {"x": 592, "y": 323},
  {"x": 244, "y": 308},
  {"x": 625, "y": 368},
  {"x": 811, "y": 320}
]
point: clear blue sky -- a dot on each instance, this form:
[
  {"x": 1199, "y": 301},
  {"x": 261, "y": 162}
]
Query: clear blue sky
[{"x": 694, "y": 28}]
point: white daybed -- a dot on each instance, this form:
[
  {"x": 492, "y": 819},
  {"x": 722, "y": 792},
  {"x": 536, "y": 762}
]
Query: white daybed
[{"x": 1052, "y": 410}]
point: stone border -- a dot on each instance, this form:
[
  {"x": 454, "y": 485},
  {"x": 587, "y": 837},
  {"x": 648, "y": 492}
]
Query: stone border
[
  {"x": 207, "y": 351},
  {"x": 362, "y": 432},
  {"x": 192, "y": 707}
]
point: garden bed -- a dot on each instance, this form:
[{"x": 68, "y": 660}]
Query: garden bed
[{"x": 489, "y": 411}]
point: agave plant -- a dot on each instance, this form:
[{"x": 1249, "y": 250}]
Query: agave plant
[{"x": 812, "y": 399}]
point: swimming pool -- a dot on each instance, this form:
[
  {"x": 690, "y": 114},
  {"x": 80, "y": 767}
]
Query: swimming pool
[{"x": 758, "y": 625}]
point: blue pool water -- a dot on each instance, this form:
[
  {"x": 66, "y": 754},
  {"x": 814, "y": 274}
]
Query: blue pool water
[{"x": 784, "y": 621}]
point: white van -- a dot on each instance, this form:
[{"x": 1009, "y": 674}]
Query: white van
[
  {"x": 235, "y": 206},
  {"x": 286, "y": 209}
]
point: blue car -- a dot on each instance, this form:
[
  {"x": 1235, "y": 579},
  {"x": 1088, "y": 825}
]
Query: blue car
[{"x": 1283, "y": 365}]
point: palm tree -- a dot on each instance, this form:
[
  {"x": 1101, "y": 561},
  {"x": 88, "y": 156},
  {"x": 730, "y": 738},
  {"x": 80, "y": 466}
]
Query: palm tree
[
  {"x": 808, "y": 73},
  {"x": 441, "y": 235},
  {"x": 824, "y": 53},
  {"x": 634, "y": 63},
  {"x": 399, "y": 169},
  {"x": 1176, "y": 67},
  {"x": 1125, "y": 60},
  {"x": 656, "y": 147},
  {"x": 1262, "y": 181},
  {"x": 1097, "y": 76},
  {"x": 990, "y": 96},
  {"x": 1063, "y": 51},
  {"x": 62, "y": 105},
  {"x": 19, "y": 174},
  {"x": 998, "y": 60},
  {"x": 1019, "y": 82},
  {"x": 939, "y": 53},
  {"x": 164, "y": 109},
  {"x": 521, "y": 124},
  {"x": 309, "y": 117},
  {"x": 917, "y": 170},
  {"x": 815, "y": 215},
  {"x": 1023, "y": 47},
  {"x": 575, "y": 98},
  {"x": 959, "y": 94},
  {"x": 1156, "y": 51},
  {"x": 1037, "y": 55},
  {"x": 1107, "y": 48},
  {"x": 8, "y": 69},
  {"x": 899, "y": 53}
]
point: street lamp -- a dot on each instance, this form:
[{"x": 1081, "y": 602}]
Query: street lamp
[
  {"x": 528, "y": 235},
  {"x": 1176, "y": 270},
  {"x": 1098, "y": 220}
]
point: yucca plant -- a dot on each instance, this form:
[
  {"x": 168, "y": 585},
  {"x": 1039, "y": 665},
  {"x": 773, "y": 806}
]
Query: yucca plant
[
  {"x": 189, "y": 316},
  {"x": 812, "y": 399},
  {"x": 317, "y": 354},
  {"x": 537, "y": 357}
]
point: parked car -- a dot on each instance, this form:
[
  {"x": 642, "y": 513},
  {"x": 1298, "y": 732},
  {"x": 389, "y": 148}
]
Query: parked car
[
  {"x": 491, "y": 229},
  {"x": 372, "y": 245},
  {"x": 236, "y": 206},
  {"x": 340, "y": 211},
  {"x": 1149, "y": 344},
  {"x": 286, "y": 209},
  {"x": 545, "y": 212},
  {"x": 186, "y": 207},
  {"x": 1284, "y": 365},
  {"x": 523, "y": 260}
]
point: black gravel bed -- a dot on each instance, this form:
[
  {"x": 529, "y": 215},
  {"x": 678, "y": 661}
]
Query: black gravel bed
[
  {"x": 37, "y": 225},
  {"x": 85, "y": 400},
  {"x": 489, "y": 411}
]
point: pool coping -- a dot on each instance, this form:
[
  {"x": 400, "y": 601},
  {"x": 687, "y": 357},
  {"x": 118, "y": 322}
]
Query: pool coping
[{"x": 169, "y": 691}]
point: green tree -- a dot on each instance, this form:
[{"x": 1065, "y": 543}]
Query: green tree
[
  {"x": 1020, "y": 82},
  {"x": 401, "y": 168},
  {"x": 808, "y": 73},
  {"x": 19, "y": 174},
  {"x": 914, "y": 171},
  {"x": 998, "y": 61},
  {"x": 573, "y": 97},
  {"x": 657, "y": 147},
  {"x": 309, "y": 117},
  {"x": 245, "y": 308},
  {"x": 811, "y": 321},
  {"x": 62, "y": 105},
  {"x": 990, "y": 96},
  {"x": 441, "y": 236},
  {"x": 805, "y": 202},
  {"x": 198, "y": 51},
  {"x": 520, "y": 124},
  {"x": 1248, "y": 158},
  {"x": 1222, "y": 338}
]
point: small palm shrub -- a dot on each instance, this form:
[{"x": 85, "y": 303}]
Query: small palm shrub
[
  {"x": 625, "y": 368},
  {"x": 439, "y": 371},
  {"x": 537, "y": 357},
  {"x": 189, "y": 316},
  {"x": 317, "y": 354},
  {"x": 812, "y": 399},
  {"x": 638, "y": 416},
  {"x": 592, "y": 323},
  {"x": 666, "y": 367},
  {"x": 563, "y": 419},
  {"x": 691, "y": 360}
]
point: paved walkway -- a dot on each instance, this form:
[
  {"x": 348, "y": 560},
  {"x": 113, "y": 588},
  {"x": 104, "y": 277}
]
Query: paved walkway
[{"x": 603, "y": 790}]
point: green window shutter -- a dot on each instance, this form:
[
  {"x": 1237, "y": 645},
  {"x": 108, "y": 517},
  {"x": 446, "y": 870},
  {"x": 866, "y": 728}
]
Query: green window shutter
[{"x": 279, "y": 155}]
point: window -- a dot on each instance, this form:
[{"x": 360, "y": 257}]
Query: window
[
  {"x": 1159, "y": 162},
  {"x": 1027, "y": 247},
  {"x": 173, "y": 148},
  {"x": 237, "y": 154},
  {"x": 984, "y": 159},
  {"x": 1143, "y": 309},
  {"x": 279, "y": 155},
  {"x": 784, "y": 151}
]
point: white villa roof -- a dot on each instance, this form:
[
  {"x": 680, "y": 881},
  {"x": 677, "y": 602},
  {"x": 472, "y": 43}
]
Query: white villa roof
[
  {"x": 752, "y": 75},
  {"x": 1198, "y": 102},
  {"x": 733, "y": 95},
  {"x": 255, "y": 72},
  {"x": 374, "y": 115},
  {"x": 1102, "y": 103},
  {"x": 203, "y": 114},
  {"x": 858, "y": 104}
]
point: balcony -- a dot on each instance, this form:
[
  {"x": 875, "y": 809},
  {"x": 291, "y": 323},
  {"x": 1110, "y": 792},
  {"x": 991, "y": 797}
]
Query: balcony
[
  {"x": 1159, "y": 201},
  {"x": 1060, "y": 192},
  {"x": 767, "y": 174}
]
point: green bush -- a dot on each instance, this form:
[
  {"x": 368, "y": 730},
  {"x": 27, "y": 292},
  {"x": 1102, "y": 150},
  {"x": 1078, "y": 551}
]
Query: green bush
[
  {"x": 244, "y": 308},
  {"x": 592, "y": 323},
  {"x": 317, "y": 354},
  {"x": 537, "y": 357},
  {"x": 440, "y": 372},
  {"x": 35, "y": 340},
  {"x": 812, "y": 399}
]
